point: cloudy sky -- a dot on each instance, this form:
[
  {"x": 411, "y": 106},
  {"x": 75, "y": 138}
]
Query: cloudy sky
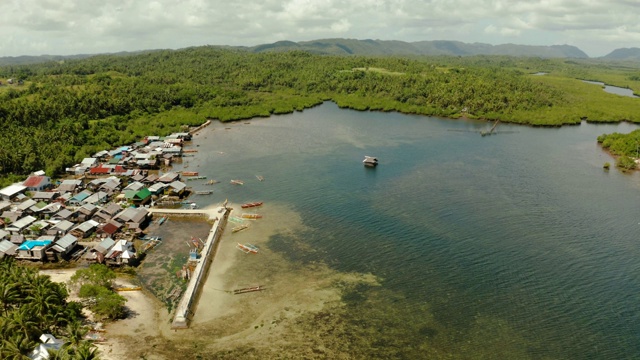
[{"x": 65, "y": 27}]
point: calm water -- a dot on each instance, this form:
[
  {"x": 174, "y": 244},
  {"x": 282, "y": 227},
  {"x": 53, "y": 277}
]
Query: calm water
[
  {"x": 614, "y": 89},
  {"x": 522, "y": 230}
]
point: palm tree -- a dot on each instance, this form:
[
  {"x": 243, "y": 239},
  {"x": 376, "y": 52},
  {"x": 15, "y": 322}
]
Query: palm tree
[
  {"x": 61, "y": 354},
  {"x": 17, "y": 347},
  {"x": 9, "y": 295},
  {"x": 86, "y": 351},
  {"x": 75, "y": 334},
  {"x": 23, "y": 321},
  {"x": 46, "y": 302}
]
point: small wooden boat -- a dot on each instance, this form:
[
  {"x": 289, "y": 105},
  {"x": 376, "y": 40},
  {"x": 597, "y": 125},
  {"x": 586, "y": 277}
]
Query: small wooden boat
[
  {"x": 239, "y": 228},
  {"x": 200, "y": 177},
  {"x": 253, "y": 204},
  {"x": 211, "y": 182},
  {"x": 248, "y": 289},
  {"x": 247, "y": 248},
  {"x": 260, "y": 177},
  {"x": 237, "y": 182},
  {"x": 251, "y": 216},
  {"x": 203, "y": 192},
  {"x": 190, "y": 173},
  {"x": 162, "y": 220}
]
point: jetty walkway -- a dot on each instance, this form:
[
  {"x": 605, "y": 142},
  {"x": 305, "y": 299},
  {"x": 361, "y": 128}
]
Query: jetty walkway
[{"x": 219, "y": 216}]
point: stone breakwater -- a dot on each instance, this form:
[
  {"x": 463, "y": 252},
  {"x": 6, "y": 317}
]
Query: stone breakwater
[{"x": 219, "y": 216}]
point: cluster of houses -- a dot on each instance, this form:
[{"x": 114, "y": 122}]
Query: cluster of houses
[{"x": 106, "y": 201}]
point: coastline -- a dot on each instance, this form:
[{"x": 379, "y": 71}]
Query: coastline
[{"x": 268, "y": 321}]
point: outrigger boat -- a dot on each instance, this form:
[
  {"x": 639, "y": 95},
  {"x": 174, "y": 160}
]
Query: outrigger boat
[
  {"x": 239, "y": 228},
  {"x": 253, "y": 204},
  {"x": 237, "y": 182},
  {"x": 247, "y": 248},
  {"x": 248, "y": 289},
  {"x": 211, "y": 182},
  {"x": 260, "y": 177},
  {"x": 236, "y": 219},
  {"x": 251, "y": 216}
]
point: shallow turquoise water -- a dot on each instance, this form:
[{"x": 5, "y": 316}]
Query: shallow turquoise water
[{"x": 523, "y": 227}]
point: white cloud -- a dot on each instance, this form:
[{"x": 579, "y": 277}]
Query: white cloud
[{"x": 91, "y": 26}]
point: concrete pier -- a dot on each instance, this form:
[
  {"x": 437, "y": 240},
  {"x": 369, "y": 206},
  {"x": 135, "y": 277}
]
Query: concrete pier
[{"x": 219, "y": 216}]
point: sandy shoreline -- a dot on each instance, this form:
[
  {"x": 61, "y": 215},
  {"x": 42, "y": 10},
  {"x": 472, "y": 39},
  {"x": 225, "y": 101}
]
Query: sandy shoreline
[{"x": 223, "y": 323}]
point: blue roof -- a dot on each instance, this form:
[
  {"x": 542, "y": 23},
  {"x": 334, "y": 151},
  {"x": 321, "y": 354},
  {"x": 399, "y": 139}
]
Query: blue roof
[
  {"x": 30, "y": 244},
  {"x": 80, "y": 196}
]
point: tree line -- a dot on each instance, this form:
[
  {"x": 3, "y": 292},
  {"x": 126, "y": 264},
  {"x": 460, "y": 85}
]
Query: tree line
[{"x": 67, "y": 110}]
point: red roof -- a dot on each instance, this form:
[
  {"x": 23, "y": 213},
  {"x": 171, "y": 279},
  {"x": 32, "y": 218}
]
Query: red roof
[
  {"x": 33, "y": 181},
  {"x": 99, "y": 170},
  {"x": 110, "y": 228},
  {"x": 119, "y": 169}
]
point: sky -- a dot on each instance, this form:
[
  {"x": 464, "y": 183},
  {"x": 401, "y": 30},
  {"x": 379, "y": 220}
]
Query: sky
[{"x": 68, "y": 27}]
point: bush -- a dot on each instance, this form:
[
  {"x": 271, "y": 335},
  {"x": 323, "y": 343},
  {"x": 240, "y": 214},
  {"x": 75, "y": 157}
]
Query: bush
[
  {"x": 626, "y": 163},
  {"x": 96, "y": 285},
  {"x": 96, "y": 274}
]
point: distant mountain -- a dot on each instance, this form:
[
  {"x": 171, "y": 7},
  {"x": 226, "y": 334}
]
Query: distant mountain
[
  {"x": 439, "y": 47},
  {"x": 623, "y": 54},
  {"x": 374, "y": 47},
  {"x": 26, "y": 59}
]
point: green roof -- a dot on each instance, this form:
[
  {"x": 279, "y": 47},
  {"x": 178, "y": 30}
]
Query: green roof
[{"x": 143, "y": 193}]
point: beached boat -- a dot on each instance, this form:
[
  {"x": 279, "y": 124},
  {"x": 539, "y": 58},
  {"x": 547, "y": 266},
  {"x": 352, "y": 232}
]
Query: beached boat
[
  {"x": 370, "y": 161},
  {"x": 190, "y": 173},
  {"x": 197, "y": 242},
  {"x": 239, "y": 228},
  {"x": 251, "y": 216},
  {"x": 237, "y": 182},
  {"x": 260, "y": 177},
  {"x": 248, "y": 248},
  {"x": 252, "y": 204},
  {"x": 162, "y": 220}
]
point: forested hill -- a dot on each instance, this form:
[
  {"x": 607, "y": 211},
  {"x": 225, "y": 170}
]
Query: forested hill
[
  {"x": 62, "y": 112},
  {"x": 626, "y": 54},
  {"x": 439, "y": 47},
  {"x": 364, "y": 47}
]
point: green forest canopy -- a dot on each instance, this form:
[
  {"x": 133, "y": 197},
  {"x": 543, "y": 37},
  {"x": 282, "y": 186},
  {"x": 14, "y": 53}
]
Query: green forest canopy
[
  {"x": 67, "y": 110},
  {"x": 32, "y": 304}
]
